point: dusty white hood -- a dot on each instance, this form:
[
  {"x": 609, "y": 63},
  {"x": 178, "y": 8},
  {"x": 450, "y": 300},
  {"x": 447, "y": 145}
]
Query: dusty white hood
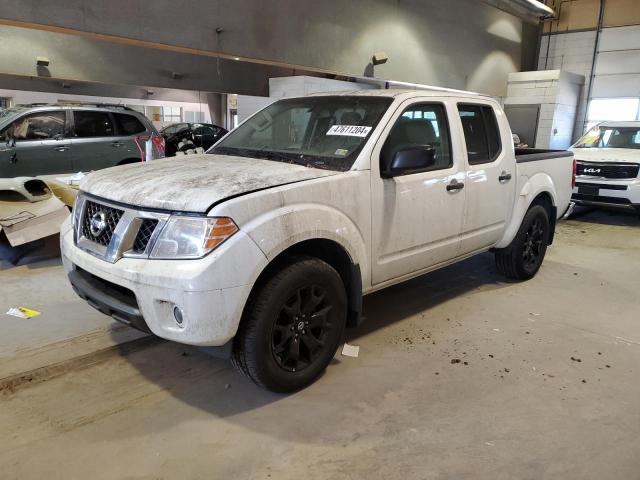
[
  {"x": 194, "y": 182},
  {"x": 619, "y": 155}
]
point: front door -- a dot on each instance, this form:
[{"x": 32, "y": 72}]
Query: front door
[
  {"x": 491, "y": 175},
  {"x": 417, "y": 218},
  {"x": 41, "y": 146}
]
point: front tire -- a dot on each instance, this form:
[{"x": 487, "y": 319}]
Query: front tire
[
  {"x": 292, "y": 326},
  {"x": 522, "y": 259}
]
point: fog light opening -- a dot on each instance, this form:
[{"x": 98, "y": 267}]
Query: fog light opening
[{"x": 177, "y": 314}]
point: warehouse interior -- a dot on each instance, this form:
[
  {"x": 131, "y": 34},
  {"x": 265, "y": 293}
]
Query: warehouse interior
[{"x": 456, "y": 354}]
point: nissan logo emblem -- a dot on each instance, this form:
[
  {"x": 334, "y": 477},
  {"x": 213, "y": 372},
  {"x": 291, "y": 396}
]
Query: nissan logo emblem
[{"x": 98, "y": 224}]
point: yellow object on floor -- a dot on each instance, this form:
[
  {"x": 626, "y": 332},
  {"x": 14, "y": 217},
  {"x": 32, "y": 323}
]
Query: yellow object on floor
[{"x": 23, "y": 312}]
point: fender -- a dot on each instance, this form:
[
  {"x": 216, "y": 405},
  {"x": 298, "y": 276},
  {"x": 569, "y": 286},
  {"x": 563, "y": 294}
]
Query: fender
[
  {"x": 276, "y": 230},
  {"x": 531, "y": 188}
]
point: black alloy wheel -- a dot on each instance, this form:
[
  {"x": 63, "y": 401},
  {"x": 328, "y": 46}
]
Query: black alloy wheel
[
  {"x": 522, "y": 259},
  {"x": 533, "y": 240},
  {"x": 292, "y": 325},
  {"x": 299, "y": 332}
]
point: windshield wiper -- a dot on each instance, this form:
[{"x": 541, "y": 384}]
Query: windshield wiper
[{"x": 266, "y": 154}]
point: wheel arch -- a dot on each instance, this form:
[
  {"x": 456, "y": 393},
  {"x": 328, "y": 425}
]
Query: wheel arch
[
  {"x": 538, "y": 190},
  {"x": 328, "y": 251},
  {"x": 545, "y": 200}
]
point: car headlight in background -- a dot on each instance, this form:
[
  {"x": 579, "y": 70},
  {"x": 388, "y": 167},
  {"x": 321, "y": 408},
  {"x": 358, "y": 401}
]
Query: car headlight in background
[{"x": 192, "y": 237}]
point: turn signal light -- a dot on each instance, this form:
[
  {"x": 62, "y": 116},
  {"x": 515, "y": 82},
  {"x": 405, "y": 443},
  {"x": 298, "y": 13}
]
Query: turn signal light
[{"x": 219, "y": 231}]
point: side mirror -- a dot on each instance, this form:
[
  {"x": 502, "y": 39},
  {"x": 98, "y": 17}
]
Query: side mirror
[
  {"x": 409, "y": 160},
  {"x": 10, "y": 140}
]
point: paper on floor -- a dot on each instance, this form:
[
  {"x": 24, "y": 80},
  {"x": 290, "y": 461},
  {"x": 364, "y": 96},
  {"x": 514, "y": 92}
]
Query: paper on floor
[
  {"x": 350, "y": 350},
  {"x": 23, "y": 312}
]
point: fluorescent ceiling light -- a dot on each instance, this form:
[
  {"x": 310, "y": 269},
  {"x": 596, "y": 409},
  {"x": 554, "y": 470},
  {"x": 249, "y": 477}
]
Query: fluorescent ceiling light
[{"x": 541, "y": 6}]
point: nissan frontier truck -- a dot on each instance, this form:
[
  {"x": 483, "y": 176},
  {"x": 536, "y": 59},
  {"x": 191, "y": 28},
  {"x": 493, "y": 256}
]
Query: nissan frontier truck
[{"x": 265, "y": 246}]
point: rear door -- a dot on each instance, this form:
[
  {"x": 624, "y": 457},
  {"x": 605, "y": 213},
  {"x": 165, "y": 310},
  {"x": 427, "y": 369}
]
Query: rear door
[
  {"x": 491, "y": 174},
  {"x": 93, "y": 141},
  {"x": 128, "y": 147},
  {"x": 42, "y": 146},
  {"x": 417, "y": 218}
]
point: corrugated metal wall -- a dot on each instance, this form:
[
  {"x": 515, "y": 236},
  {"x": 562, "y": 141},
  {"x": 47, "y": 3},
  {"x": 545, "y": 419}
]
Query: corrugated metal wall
[
  {"x": 617, "y": 70},
  {"x": 569, "y": 43}
]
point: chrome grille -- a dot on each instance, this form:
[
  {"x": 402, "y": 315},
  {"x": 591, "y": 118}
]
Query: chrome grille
[
  {"x": 111, "y": 216},
  {"x": 147, "y": 228},
  {"x": 123, "y": 231}
]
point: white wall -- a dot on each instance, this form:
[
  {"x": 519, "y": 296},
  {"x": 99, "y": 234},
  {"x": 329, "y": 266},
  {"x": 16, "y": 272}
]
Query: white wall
[
  {"x": 297, "y": 86},
  {"x": 248, "y": 105},
  {"x": 570, "y": 52},
  {"x": 558, "y": 94}
]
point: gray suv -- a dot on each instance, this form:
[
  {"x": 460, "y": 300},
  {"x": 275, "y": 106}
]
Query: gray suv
[{"x": 44, "y": 139}]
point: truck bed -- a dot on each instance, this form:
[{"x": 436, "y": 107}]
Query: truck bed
[{"x": 535, "y": 154}]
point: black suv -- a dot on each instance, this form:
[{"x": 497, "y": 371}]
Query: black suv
[{"x": 181, "y": 137}]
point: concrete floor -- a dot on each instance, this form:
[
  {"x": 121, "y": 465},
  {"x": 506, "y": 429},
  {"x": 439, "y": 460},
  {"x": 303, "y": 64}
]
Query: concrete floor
[{"x": 546, "y": 388}]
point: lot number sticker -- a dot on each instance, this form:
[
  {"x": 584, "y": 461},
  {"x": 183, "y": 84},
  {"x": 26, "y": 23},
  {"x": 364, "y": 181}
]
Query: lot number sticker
[{"x": 349, "y": 131}]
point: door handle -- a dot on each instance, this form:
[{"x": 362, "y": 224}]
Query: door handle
[
  {"x": 455, "y": 186},
  {"x": 116, "y": 144},
  {"x": 504, "y": 177},
  {"x": 61, "y": 148}
]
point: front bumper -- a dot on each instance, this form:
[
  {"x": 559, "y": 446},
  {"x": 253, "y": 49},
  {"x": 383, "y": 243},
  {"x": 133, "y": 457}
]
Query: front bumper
[
  {"x": 211, "y": 292},
  {"x": 619, "y": 194},
  {"x": 116, "y": 302}
]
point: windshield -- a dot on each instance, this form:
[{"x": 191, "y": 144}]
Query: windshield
[
  {"x": 320, "y": 132},
  {"x": 10, "y": 112},
  {"x": 611, "y": 137},
  {"x": 171, "y": 129}
]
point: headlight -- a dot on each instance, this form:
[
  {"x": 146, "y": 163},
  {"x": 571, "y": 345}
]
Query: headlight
[{"x": 192, "y": 237}]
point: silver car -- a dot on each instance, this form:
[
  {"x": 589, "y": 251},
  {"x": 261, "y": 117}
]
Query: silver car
[{"x": 44, "y": 139}]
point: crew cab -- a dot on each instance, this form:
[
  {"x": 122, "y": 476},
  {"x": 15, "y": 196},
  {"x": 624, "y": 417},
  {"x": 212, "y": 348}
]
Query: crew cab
[
  {"x": 608, "y": 166},
  {"x": 265, "y": 246}
]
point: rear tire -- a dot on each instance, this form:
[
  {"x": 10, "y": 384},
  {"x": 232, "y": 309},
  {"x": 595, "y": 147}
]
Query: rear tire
[
  {"x": 292, "y": 326},
  {"x": 522, "y": 259}
]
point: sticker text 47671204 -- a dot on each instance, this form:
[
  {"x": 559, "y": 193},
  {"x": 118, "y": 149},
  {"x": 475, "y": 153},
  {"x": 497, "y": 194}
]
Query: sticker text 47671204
[{"x": 349, "y": 130}]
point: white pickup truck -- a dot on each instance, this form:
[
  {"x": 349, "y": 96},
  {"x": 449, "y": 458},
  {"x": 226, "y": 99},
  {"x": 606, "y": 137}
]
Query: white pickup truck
[{"x": 266, "y": 245}]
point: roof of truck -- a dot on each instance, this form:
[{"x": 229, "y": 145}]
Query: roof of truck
[
  {"x": 620, "y": 124},
  {"x": 407, "y": 93}
]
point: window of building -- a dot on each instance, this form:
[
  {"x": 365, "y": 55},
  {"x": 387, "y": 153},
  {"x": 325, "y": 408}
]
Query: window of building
[
  {"x": 613, "y": 110},
  {"x": 171, "y": 114}
]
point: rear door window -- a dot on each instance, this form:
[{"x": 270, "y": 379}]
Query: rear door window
[
  {"x": 481, "y": 133},
  {"x": 128, "y": 124},
  {"x": 92, "y": 124}
]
